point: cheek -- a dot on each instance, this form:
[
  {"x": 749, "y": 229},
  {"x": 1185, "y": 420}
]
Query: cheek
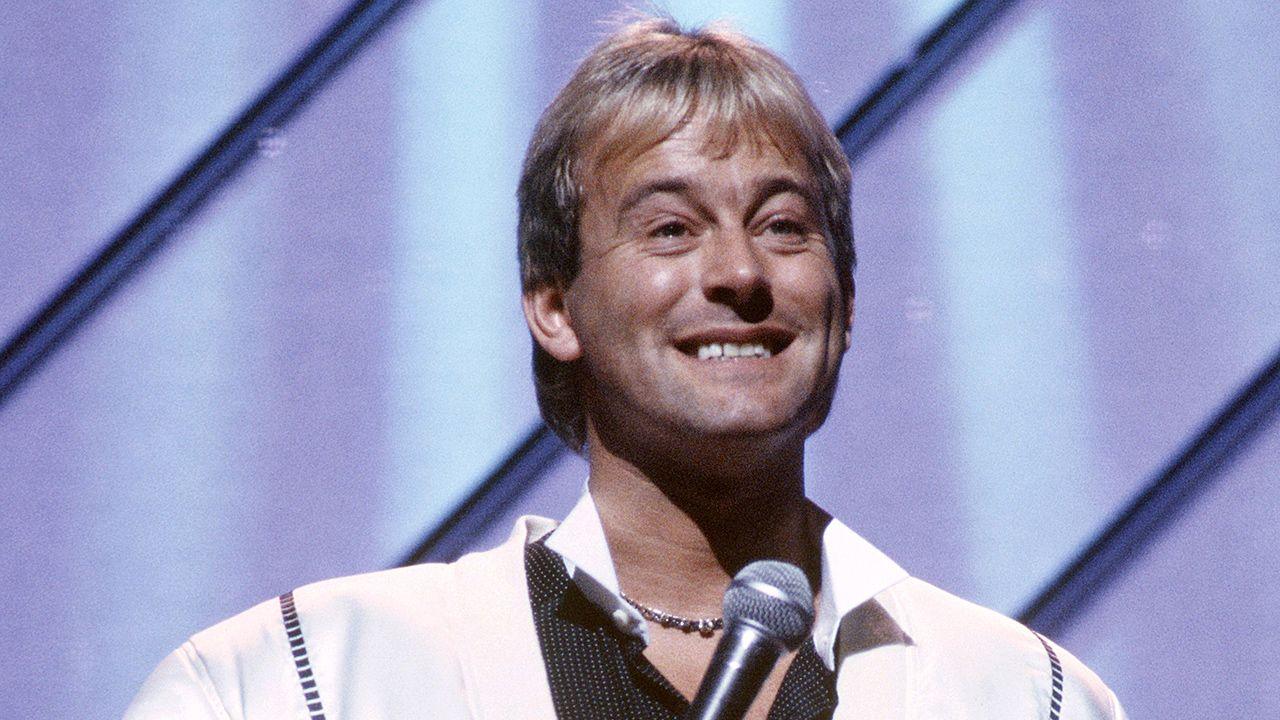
[
  {"x": 643, "y": 291},
  {"x": 659, "y": 287},
  {"x": 814, "y": 287},
  {"x": 626, "y": 298}
]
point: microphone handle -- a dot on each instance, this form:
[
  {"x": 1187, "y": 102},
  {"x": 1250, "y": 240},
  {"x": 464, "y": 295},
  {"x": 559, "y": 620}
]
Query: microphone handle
[{"x": 743, "y": 659}]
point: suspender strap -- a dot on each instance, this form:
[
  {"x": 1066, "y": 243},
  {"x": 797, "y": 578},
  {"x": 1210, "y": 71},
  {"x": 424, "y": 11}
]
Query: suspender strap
[
  {"x": 298, "y": 648},
  {"x": 1055, "y": 668}
]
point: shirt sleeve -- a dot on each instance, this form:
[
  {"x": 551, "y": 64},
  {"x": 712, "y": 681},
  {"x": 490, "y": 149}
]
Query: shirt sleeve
[{"x": 178, "y": 689}]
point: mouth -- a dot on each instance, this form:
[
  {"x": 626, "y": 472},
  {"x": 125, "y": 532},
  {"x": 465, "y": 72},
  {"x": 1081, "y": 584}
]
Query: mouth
[{"x": 726, "y": 345}]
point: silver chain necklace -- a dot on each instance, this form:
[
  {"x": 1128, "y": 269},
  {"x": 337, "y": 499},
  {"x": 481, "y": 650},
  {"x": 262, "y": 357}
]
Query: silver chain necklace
[{"x": 704, "y": 626}]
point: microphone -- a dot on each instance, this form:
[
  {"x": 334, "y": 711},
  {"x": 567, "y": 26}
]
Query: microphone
[{"x": 768, "y": 608}]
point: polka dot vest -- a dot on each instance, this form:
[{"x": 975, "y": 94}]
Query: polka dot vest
[{"x": 596, "y": 671}]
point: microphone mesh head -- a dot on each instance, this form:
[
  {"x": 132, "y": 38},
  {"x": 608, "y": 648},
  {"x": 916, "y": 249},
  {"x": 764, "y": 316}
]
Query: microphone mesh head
[{"x": 775, "y": 596}]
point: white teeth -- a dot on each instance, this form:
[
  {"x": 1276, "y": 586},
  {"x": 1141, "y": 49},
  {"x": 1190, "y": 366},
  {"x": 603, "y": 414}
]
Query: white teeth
[{"x": 732, "y": 350}]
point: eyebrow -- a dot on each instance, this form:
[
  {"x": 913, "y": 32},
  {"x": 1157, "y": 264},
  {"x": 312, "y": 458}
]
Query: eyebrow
[
  {"x": 780, "y": 185},
  {"x": 765, "y": 189},
  {"x": 675, "y": 186}
]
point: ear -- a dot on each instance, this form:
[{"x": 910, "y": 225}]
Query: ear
[{"x": 549, "y": 321}]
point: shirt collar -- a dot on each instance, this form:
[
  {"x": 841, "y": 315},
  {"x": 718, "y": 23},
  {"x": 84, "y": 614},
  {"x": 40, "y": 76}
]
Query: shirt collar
[{"x": 853, "y": 571}]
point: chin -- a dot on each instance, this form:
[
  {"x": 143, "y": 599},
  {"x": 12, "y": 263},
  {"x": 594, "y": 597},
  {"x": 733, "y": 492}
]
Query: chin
[{"x": 748, "y": 425}]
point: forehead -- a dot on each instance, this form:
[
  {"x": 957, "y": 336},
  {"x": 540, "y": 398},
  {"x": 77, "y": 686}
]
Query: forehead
[{"x": 692, "y": 149}]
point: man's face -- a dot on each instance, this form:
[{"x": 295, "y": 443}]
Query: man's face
[{"x": 707, "y": 304}]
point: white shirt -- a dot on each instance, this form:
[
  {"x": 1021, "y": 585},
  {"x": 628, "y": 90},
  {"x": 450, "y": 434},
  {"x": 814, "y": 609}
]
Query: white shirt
[{"x": 853, "y": 571}]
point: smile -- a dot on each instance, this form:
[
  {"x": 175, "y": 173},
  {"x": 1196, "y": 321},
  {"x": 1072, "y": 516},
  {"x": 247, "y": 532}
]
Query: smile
[
  {"x": 736, "y": 343},
  {"x": 726, "y": 351}
]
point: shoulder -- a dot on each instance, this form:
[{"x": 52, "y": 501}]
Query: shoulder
[
  {"x": 254, "y": 664},
  {"x": 973, "y": 651},
  {"x": 346, "y": 633},
  {"x": 386, "y": 604}
]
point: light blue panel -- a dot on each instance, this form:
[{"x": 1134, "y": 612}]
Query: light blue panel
[
  {"x": 144, "y": 501},
  {"x": 1239, "y": 57},
  {"x": 157, "y": 437},
  {"x": 181, "y": 71},
  {"x": 1017, "y": 352},
  {"x": 763, "y": 20},
  {"x": 460, "y": 388}
]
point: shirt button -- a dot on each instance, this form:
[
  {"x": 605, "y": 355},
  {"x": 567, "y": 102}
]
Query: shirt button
[{"x": 622, "y": 620}]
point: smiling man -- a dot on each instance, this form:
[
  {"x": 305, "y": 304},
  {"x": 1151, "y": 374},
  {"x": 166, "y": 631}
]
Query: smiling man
[{"x": 687, "y": 257}]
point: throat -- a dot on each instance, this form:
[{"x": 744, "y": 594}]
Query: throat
[{"x": 680, "y": 558}]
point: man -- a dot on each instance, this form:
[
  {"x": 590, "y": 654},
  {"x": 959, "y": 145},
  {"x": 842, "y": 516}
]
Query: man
[{"x": 687, "y": 259}]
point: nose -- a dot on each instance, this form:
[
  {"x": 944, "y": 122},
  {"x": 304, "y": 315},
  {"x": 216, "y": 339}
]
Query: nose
[{"x": 734, "y": 275}]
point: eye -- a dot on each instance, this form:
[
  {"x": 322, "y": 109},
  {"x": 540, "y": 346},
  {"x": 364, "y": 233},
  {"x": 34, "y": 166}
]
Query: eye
[
  {"x": 783, "y": 226},
  {"x": 787, "y": 233},
  {"x": 670, "y": 230},
  {"x": 670, "y": 237}
]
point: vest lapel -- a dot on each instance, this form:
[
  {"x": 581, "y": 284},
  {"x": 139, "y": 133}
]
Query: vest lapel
[{"x": 497, "y": 643}]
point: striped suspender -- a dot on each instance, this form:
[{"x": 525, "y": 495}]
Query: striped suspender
[
  {"x": 1055, "y": 668},
  {"x": 298, "y": 648}
]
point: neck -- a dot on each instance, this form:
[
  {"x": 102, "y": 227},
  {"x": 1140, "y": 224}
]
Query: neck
[{"x": 678, "y": 533}]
